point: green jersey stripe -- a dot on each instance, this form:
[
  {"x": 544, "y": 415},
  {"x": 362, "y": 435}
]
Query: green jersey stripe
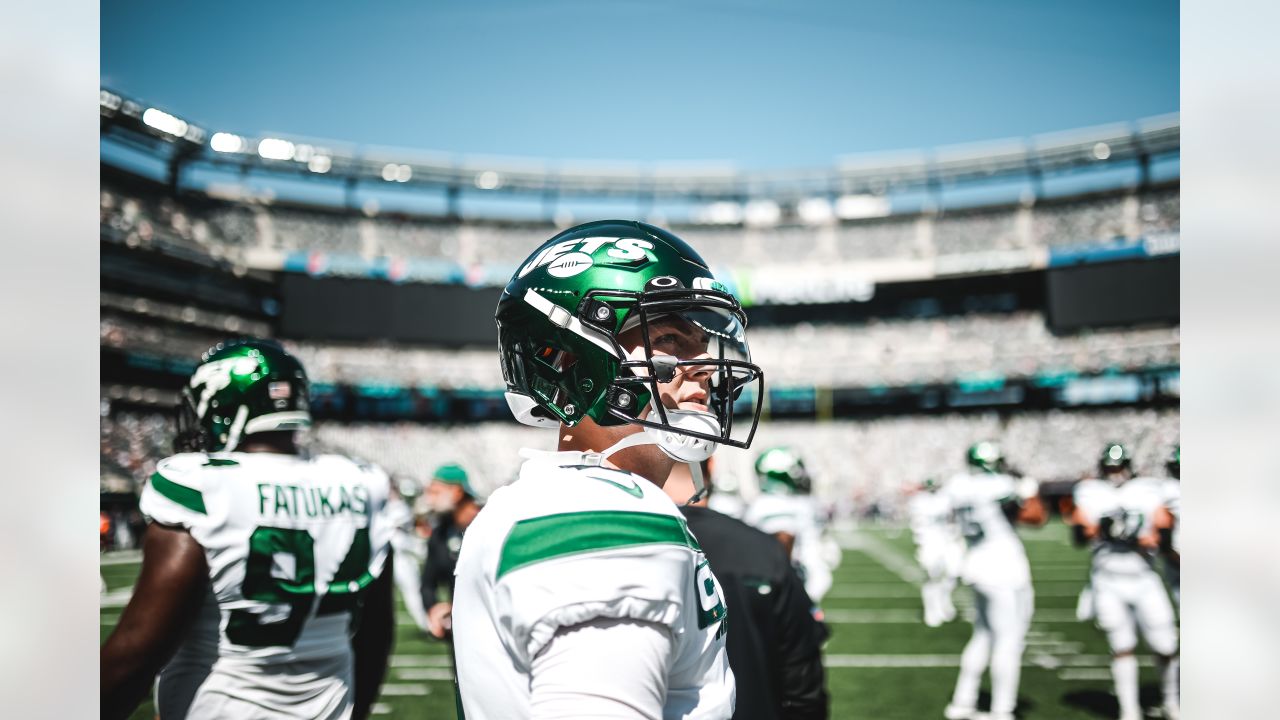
[
  {"x": 188, "y": 498},
  {"x": 552, "y": 536}
]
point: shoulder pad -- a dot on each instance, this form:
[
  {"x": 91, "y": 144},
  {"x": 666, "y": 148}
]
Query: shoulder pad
[{"x": 178, "y": 479}]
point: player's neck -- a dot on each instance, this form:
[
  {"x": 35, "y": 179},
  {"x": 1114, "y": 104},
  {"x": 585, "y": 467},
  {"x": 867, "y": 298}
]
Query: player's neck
[
  {"x": 647, "y": 461},
  {"x": 279, "y": 443}
]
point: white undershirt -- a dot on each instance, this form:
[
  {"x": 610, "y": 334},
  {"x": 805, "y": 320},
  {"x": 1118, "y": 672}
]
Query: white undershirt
[{"x": 603, "y": 668}]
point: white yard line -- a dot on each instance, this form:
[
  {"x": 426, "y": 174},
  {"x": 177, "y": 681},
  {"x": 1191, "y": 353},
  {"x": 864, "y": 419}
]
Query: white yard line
[
  {"x": 951, "y": 661},
  {"x": 886, "y": 555},
  {"x": 852, "y": 591},
  {"x": 115, "y": 598},
  {"x": 412, "y": 673},
  {"x": 401, "y": 689},
  {"x": 901, "y": 615},
  {"x": 419, "y": 661},
  {"x": 122, "y": 557},
  {"x": 1086, "y": 674}
]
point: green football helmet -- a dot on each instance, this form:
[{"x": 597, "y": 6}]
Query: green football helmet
[
  {"x": 780, "y": 469},
  {"x": 1174, "y": 462},
  {"x": 240, "y": 388},
  {"x": 985, "y": 456},
  {"x": 1115, "y": 457},
  {"x": 562, "y": 313}
]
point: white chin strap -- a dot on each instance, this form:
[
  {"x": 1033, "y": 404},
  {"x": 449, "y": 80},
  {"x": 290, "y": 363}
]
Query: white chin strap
[{"x": 678, "y": 446}]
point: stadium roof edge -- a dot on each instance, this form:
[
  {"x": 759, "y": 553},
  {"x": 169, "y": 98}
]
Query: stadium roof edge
[{"x": 122, "y": 118}]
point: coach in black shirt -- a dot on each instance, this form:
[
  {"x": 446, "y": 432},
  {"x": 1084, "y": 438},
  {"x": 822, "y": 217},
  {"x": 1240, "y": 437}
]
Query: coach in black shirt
[
  {"x": 453, "y": 506},
  {"x": 774, "y": 643}
]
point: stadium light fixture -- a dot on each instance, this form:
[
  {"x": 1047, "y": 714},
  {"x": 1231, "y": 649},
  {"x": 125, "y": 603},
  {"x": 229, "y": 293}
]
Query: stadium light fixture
[
  {"x": 815, "y": 211},
  {"x": 164, "y": 122},
  {"x": 1102, "y": 151},
  {"x": 761, "y": 213},
  {"x": 395, "y": 172},
  {"x": 275, "y": 149},
  {"x": 226, "y": 142},
  {"x": 720, "y": 213},
  {"x": 319, "y": 164},
  {"x": 488, "y": 180},
  {"x": 108, "y": 101},
  {"x": 855, "y": 207}
]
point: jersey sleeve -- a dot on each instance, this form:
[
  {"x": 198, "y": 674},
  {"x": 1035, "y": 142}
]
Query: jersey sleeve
[
  {"x": 382, "y": 518},
  {"x": 175, "y": 494},
  {"x": 1090, "y": 499},
  {"x": 555, "y": 571},
  {"x": 1001, "y": 489}
]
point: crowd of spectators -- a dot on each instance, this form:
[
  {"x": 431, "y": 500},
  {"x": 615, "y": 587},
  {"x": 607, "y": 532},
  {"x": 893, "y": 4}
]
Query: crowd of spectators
[
  {"x": 224, "y": 229},
  {"x": 896, "y": 352},
  {"x": 852, "y": 461},
  {"x": 880, "y": 352}
]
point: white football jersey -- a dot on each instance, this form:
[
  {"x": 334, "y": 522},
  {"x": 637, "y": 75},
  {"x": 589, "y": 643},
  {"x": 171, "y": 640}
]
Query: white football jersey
[
  {"x": 567, "y": 543},
  {"x": 931, "y": 518},
  {"x": 994, "y": 555},
  {"x": 796, "y": 515},
  {"x": 1173, "y": 503},
  {"x": 289, "y": 541},
  {"x": 1133, "y": 504}
]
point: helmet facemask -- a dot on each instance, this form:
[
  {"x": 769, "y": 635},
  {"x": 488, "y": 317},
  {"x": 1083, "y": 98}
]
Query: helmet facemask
[{"x": 709, "y": 326}]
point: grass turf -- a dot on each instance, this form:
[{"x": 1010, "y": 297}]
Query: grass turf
[{"x": 882, "y": 661}]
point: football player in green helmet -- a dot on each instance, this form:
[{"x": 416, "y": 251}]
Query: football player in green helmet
[
  {"x": 1169, "y": 524},
  {"x": 242, "y": 388},
  {"x": 1121, "y": 517},
  {"x": 1115, "y": 463},
  {"x": 602, "y": 323},
  {"x": 781, "y": 470},
  {"x": 987, "y": 503},
  {"x": 985, "y": 456},
  {"x": 576, "y": 581},
  {"x": 265, "y": 584},
  {"x": 786, "y": 509}
]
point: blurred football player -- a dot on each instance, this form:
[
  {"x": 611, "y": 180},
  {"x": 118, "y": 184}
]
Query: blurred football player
[
  {"x": 774, "y": 642},
  {"x": 580, "y": 590},
  {"x": 410, "y": 547},
  {"x": 987, "y": 503},
  {"x": 1115, "y": 513},
  {"x": 939, "y": 550},
  {"x": 259, "y": 563},
  {"x": 1168, "y": 522},
  {"x": 452, "y": 504},
  {"x": 785, "y": 509}
]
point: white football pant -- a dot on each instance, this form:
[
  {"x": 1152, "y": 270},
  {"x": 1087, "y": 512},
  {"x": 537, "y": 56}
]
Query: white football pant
[{"x": 1002, "y": 616}]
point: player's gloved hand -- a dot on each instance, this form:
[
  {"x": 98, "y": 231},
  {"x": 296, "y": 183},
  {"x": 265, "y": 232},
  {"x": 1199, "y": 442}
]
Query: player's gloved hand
[{"x": 440, "y": 619}]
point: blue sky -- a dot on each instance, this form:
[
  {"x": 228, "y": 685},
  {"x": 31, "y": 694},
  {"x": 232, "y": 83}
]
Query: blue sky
[{"x": 762, "y": 84}]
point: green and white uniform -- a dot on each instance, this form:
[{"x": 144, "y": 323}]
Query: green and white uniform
[
  {"x": 995, "y": 566},
  {"x": 1128, "y": 594},
  {"x": 289, "y": 542},
  {"x": 570, "y": 543},
  {"x": 796, "y": 515}
]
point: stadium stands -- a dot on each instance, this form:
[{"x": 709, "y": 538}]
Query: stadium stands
[
  {"x": 891, "y": 352},
  {"x": 226, "y": 229},
  {"x": 870, "y": 459}
]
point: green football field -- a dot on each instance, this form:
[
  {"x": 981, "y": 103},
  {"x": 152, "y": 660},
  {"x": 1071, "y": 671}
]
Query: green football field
[{"x": 882, "y": 662}]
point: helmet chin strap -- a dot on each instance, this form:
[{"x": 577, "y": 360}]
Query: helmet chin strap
[{"x": 678, "y": 446}]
